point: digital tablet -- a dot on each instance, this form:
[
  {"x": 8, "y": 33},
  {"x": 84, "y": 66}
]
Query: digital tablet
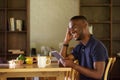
[{"x": 57, "y": 55}]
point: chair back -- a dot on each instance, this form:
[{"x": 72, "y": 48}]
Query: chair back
[
  {"x": 109, "y": 66},
  {"x": 73, "y": 74}
]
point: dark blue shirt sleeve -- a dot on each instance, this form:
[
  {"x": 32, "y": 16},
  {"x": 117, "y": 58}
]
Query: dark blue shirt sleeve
[
  {"x": 74, "y": 53},
  {"x": 100, "y": 53}
]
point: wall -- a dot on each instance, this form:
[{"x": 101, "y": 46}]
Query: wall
[{"x": 49, "y": 20}]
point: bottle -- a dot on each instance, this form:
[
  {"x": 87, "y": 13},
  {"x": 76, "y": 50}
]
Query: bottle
[{"x": 33, "y": 52}]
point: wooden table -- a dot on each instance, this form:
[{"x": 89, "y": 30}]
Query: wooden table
[{"x": 25, "y": 70}]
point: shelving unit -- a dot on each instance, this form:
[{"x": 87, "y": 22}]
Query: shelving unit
[
  {"x": 115, "y": 26},
  {"x": 104, "y": 16},
  {"x": 15, "y": 40}
]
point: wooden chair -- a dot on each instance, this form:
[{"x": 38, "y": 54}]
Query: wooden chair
[
  {"x": 73, "y": 75},
  {"x": 109, "y": 67}
]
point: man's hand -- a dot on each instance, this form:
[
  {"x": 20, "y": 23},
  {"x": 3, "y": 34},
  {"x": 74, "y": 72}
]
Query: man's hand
[
  {"x": 68, "y": 36},
  {"x": 67, "y": 62}
]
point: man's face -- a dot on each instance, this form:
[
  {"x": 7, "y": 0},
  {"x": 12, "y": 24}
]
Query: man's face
[{"x": 76, "y": 29}]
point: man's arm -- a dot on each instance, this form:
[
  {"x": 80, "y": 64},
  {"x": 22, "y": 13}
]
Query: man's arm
[
  {"x": 96, "y": 73},
  {"x": 66, "y": 56},
  {"x": 67, "y": 39},
  {"x": 63, "y": 51}
]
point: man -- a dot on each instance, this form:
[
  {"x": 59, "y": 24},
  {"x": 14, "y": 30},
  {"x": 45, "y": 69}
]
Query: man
[{"x": 90, "y": 52}]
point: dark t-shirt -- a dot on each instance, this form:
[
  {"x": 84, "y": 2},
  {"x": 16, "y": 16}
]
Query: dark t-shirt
[{"x": 87, "y": 54}]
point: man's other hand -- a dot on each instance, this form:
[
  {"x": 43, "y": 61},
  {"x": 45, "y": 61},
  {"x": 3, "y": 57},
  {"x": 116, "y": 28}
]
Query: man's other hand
[{"x": 67, "y": 62}]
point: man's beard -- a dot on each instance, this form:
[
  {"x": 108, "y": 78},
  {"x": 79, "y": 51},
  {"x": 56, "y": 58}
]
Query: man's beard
[{"x": 81, "y": 36}]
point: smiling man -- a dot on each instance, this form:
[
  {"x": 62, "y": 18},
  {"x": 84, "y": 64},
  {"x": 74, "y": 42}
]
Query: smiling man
[{"x": 90, "y": 52}]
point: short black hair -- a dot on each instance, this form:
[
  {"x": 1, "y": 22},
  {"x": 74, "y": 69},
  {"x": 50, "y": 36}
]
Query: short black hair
[{"x": 79, "y": 17}]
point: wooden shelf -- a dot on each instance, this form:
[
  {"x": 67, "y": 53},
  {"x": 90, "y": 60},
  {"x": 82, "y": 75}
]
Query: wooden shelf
[
  {"x": 116, "y": 5},
  {"x": 100, "y": 22},
  {"x": 116, "y": 39},
  {"x": 104, "y": 39},
  {"x": 2, "y": 8},
  {"x": 16, "y": 9},
  {"x": 16, "y": 31},
  {"x": 116, "y": 21},
  {"x": 95, "y": 5},
  {"x": 2, "y": 54},
  {"x": 2, "y": 31},
  {"x": 10, "y": 54}
]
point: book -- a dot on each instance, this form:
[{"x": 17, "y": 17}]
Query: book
[
  {"x": 19, "y": 24},
  {"x": 12, "y": 24}
]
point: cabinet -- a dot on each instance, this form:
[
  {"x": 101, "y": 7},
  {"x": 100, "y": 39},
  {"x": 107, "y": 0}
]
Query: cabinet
[
  {"x": 115, "y": 26},
  {"x": 14, "y": 39},
  {"x": 104, "y": 16}
]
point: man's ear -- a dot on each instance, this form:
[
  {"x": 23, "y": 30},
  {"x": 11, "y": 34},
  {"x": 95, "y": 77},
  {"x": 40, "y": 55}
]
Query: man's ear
[{"x": 84, "y": 29}]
